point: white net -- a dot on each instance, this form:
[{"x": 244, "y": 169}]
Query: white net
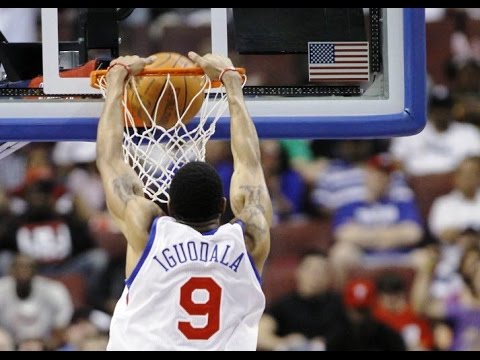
[{"x": 156, "y": 153}]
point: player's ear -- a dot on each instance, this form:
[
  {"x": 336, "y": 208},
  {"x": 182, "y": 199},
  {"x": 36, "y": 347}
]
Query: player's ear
[
  {"x": 170, "y": 211},
  {"x": 223, "y": 205}
]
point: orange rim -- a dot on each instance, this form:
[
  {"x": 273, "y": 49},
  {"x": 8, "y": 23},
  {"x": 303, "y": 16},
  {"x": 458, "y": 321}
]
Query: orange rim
[{"x": 192, "y": 71}]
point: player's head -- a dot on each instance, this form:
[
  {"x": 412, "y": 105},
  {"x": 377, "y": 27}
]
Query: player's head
[{"x": 196, "y": 193}]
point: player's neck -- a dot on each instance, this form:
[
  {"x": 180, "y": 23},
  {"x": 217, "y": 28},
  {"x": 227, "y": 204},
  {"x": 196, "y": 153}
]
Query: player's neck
[{"x": 202, "y": 226}]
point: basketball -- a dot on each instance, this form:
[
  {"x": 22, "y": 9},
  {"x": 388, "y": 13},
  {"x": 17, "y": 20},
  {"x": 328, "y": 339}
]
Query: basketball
[{"x": 150, "y": 90}]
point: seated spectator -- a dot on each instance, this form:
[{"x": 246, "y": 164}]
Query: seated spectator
[
  {"x": 393, "y": 309},
  {"x": 454, "y": 220},
  {"x": 33, "y": 307},
  {"x": 364, "y": 332},
  {"x": 309, "y": 319},
  {"x": 442, "y": 145},
  {"x": 343, "y": 180},
  {"x": 59, "y": 243},
  {"x": 381, "y": 228}
]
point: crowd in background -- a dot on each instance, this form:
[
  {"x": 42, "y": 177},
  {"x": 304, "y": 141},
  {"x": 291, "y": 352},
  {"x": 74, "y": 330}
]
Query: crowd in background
[{"x": 375, "y": 246}]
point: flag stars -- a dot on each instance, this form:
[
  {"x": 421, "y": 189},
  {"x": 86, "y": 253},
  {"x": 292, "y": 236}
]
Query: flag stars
[{"x": 322, "y": 53}]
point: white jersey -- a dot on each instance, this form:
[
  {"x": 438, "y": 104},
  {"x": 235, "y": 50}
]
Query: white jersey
[{"x": 190, "y": 291}]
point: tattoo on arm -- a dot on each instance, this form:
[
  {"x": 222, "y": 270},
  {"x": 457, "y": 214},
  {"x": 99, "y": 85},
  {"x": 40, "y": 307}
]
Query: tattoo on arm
[
  {"x": 124, "y": 187},
  {"x": 254, "y": 207},
  {"x": 254, "y": 196}
]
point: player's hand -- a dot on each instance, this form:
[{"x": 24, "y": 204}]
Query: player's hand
[
  {"x": 212, "y": 64},
  {"x": 130, "y": 65}
]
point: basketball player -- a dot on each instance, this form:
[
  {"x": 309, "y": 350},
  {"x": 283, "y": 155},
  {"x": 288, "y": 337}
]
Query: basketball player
[{"x": 191, "y": 283}]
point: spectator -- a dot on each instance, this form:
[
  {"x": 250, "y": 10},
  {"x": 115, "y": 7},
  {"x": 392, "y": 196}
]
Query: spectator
[
  {"x": 33, "y": 307},
  {"x": 364, "y": 332},
  {"x": 442, "y": 145},
  {"x": 394, "y": 310},
  {"x": 311, "y": 318},
  {"x": 381, "y": 228},
  {"x": 454, "y": 220},
  {"x": 59, "y": 243},
  {"x": 343, "y": 180}
]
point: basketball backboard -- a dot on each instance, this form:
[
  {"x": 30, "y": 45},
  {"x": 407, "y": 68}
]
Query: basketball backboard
[{"x": 283, "y": 95}]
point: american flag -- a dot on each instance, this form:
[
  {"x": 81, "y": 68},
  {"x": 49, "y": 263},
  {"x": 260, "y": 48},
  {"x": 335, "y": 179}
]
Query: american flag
[{"x": 338, "y": 61}]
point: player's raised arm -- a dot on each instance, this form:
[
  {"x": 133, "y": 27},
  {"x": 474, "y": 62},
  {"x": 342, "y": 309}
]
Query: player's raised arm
[
  {"x": 249, "y": 196},
  {"x": 123, "y": 189}
]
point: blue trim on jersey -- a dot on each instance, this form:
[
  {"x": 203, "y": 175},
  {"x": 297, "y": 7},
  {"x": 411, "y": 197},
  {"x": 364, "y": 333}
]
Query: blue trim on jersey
[
  {"x": 241, "y": 223},
  {"x": 145, "y": 253},
  {"x": 257, "y": 274},
  {"x": 210, "y": 232}
]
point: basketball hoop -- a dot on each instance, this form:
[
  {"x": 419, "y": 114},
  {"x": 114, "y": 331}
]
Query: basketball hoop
[{"x": 156, "y": 152}]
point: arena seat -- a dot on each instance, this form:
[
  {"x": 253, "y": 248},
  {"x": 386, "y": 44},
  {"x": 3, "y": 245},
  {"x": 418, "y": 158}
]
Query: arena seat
[
  {"x": 279, "y": 277},
  {"x": 76, "y": 285},
  {"x": 295, "y": 237},
  {"x": 429, "y": 187}
]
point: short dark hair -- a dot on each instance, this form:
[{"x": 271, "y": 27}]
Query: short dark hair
[{"x": 196, "y": 193}]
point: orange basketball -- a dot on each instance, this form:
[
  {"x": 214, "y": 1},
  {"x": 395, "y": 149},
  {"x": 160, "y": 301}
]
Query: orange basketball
[{"x": 150, "y": 89}]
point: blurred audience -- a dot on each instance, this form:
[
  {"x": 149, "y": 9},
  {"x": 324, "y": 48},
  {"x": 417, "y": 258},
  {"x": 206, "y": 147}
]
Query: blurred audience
[
  {"x": 33, "y": 307},
  {"x": 393, "y": 309},
  {"x": 454, "y": 220},
  {"x": 312, "y": 318},
  {"x": 342, "y": 181},
  {"x": 442, "y": 145},
  {"x": 461, "y": 310},
  {"x": 380, "y": 229},
  {"x": 364, "y": 332},
  {"x": 60, "y": 243}
]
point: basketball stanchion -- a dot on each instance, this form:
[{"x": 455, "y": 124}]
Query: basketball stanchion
[{"x": 159, "y": 106}]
